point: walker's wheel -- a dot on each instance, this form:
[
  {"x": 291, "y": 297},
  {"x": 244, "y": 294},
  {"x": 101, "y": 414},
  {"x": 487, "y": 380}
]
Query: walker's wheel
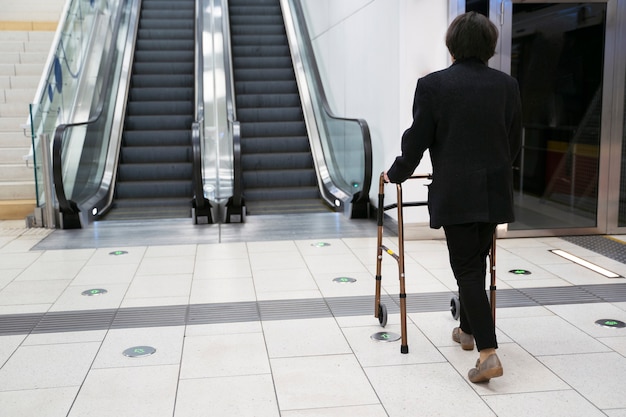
[
  {"x": 455, "y": 307},
  {"x": 382, "y": 315}
]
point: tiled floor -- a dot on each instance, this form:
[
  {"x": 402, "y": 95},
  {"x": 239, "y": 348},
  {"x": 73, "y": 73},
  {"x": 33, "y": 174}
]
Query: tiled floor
[{"x": 295, "y": 363}]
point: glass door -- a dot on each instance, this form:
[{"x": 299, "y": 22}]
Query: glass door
[
  {"x": 557, "y": 56},
  {"x": 568, "y": 59}
]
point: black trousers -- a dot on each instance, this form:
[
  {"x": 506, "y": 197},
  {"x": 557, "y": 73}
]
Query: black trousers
[{"x": 468, "y": 247}]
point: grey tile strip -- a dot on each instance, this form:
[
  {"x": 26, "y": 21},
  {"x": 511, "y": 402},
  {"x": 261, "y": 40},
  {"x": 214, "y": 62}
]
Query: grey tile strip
[{"x": 123, "y": 318}]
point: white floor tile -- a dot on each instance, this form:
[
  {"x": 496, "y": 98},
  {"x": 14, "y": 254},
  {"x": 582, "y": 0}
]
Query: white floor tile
[
  {"x": 105, "y": 274},
  {"x": 427, "y": 389},
  {"x": 32, "y": 292},
  {"x": 599, "y": 377},
  {"x": 224, "y": 355},
  {"x": 51, "y": 402},
  {"x": 117, "y": 256},
  {"x": 280, "y": 280},
  {"x": 225, "y": 290},
  {"x": 168, "y": 342},
  {"x": 66, "y": 337},
  {"x": 276, "y": 260},
  {"x": 8, "y": 345},
  {"x": 170, "y": 251},
  {"x": 221, "y": 268},
  {"x": 549, "y": 336},
  {"x": 218, "y": 251},
  {"x": 309, "y": 337},
  {"x": 250, "y": 395},
  {"x": 585, "y": 318},
  {"x": 371, "y": 352},
  {"x": 518, "y": 366},
  {"x": 72, "y": 298},
  {"x": 320, "y": 382},
  {"x": 334, "y": 263},
  {"x": 166, "y": 265},
  {"x": 171, "y": 285},
  {"x": 47, "y": 366},
  {"x": 128, "y": 392},
  {"x": 542, "y": 404},
  {"x": 360, "y": 411}
]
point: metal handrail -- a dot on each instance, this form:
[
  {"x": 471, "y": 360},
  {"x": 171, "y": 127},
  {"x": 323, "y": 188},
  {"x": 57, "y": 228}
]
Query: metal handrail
[
  {"x": 67, "y": 206},
  {"x": 361, "y": 197}
]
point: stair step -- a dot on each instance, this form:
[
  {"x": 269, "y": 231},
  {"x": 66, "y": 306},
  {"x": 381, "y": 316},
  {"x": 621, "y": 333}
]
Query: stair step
[
  {"x": 16, "y": 209},
  {"x": 16, "y": 172},
  {"x": 17, "y": 190}
]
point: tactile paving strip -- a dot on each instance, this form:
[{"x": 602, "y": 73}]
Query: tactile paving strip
[
  {"x": 611, "y": 248},
  {"x": 83, "y": 320}
]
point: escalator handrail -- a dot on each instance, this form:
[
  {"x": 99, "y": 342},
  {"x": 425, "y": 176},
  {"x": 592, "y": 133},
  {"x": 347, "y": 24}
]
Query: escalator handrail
[
  {"x": 231, "y": 108},
  {"x": 363, "y": 195},
  {"x": 196, "y": 128},
  {"x": 65, "y": 205}
]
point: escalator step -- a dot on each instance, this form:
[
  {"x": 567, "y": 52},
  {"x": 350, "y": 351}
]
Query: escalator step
[
  {"x": 167, "y": 108},
  {"x": 161, "y": 44},
  {"x": 166, "y": 54},
  {"x": 159, "y": 122},
  {"x": 155, "y": 80},
  {"x": 155, "y": 154},
  {"x": 267, "y": 100},
  {"x": 160, "y": 94},
  {"x": 255, "y": 10},
  {"x": 252, "y": 145},
  {"x": 165, "y": 34},
  {"x": 266, "y": 87},
  {"x": 169, "y": 13},
  {"x": 285, "y": 193},
  {"x": 283, "y": 160},
  {"x": 163, "y": 24},
  {"x": 263, "y": 62},
  {"x": 265, "y": 115},
  {"x": 154, "y": 189},
  {"x": 264, "y": 74},
  {"x": 273, "y": 129},
  {"x": 163, "y": 68},
  {"x": 256, "y": 20},
  {"x": 260, "y": 50},
  {"x": 242, "y": 40},
  {"x": 253, "y": 29},
  {"x": 279, "y": 178},
  {"x": 156, "y": 137},
  {"x": 155, "y": 172}
]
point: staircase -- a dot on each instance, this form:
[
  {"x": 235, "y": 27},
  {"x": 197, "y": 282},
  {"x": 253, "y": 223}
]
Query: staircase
[
  {"x": 278, "y": 175},
  {"x": 155, "y": 164},
  {"x": 23, "y": 55}
]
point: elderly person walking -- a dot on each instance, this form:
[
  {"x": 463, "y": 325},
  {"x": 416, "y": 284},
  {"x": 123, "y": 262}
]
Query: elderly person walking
[{"x": 469, "y": 118}]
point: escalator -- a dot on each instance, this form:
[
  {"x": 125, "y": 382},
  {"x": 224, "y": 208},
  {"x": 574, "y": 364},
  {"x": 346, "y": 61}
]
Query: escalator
[
  {"x": 155, "y": 167},
  {"x": 277, "y": 170}
]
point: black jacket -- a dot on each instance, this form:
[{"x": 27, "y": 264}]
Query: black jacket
[{"x": 469, "y": 117}]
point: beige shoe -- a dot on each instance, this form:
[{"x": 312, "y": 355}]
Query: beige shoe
[
  {"x": 489, "y": 368},
  {"x": 466, "y": 340}
]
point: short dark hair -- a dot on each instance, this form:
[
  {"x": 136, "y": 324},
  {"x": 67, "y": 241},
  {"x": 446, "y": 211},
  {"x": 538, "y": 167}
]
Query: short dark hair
[{"x": 472, "y": 35}]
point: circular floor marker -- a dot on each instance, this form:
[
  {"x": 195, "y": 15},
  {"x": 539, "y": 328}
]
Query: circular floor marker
[
  {"x": 344, "y": 280},
  {"x": 139, "y": 351},
  {"x": 614, "y": 324},
  {"x": 385, "y": 337},
  {"x": 94, "y": 291},
  {"x": 320, "y": 244},
  {"x": 118, "y": 252},
  {"x": 520, "y": 272}
]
